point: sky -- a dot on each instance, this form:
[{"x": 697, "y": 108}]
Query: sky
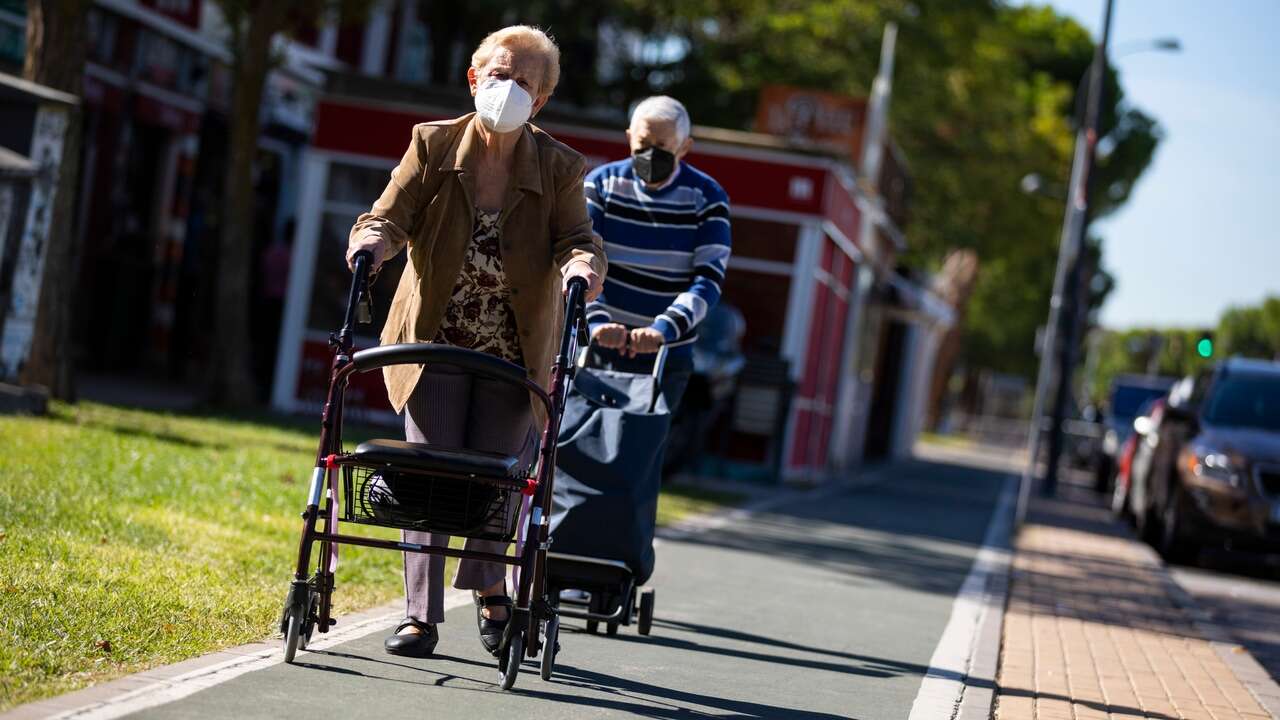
[{"x": 1199, "y": 233}]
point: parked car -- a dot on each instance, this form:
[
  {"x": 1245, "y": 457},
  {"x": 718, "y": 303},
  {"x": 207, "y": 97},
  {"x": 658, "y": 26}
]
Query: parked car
[
  {"x": 1135, "y": 456},
  {"x": 1214, "y": 471},
  {"x": 717, "y": 362},
  {"x": 1129, "y": 393}
]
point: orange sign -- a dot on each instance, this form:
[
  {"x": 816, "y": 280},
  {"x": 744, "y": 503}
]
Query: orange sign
[{"x": 793, "y": 112}]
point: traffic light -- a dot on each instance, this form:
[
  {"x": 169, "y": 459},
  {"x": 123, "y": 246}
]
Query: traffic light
[{"x": 1204, "y": 346}]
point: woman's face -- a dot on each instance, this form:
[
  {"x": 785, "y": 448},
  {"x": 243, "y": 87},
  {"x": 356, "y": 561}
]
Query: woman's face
[{"x": 525, "y": 68}]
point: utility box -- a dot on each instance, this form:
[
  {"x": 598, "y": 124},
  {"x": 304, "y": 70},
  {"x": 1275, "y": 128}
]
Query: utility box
[{"x": 34, "y": 121}]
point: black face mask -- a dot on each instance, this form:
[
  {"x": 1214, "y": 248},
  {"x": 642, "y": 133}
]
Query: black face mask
[{"x": 653, "y": 164}]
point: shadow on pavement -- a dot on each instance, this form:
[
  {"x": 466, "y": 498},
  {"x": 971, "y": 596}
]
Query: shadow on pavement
[
  {"x": 918, "y": 528},
  {"x": 1097, "y": 582},
  {"x": 621, "y": 687},
  {"x": 605, "y": 691}
]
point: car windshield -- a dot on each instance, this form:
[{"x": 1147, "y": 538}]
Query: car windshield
[
  {"x": 1129, "y": 399},
  {"x": 1246, "y": 402}
]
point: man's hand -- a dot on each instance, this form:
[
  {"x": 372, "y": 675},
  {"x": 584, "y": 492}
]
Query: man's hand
[
  {"x": 371, "y": 241},
  {"x": 645, "y": 341},
  {"x": 583, "y": 269},
  {"x": 610, "y": 335}
]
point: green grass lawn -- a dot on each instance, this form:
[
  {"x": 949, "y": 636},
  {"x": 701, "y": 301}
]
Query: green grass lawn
[{"x": 131, "y": 539}]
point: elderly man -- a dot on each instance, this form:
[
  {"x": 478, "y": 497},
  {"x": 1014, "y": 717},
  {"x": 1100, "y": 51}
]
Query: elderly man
[{"x": 665, "y": 226}]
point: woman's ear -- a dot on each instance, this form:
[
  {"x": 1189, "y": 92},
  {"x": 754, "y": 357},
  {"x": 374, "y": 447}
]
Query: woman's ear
[{"x": 472, "y": 78}]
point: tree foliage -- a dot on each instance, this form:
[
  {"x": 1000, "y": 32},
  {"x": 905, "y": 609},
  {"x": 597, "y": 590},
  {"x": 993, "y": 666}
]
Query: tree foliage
[{"x": 1248, "y": 331}]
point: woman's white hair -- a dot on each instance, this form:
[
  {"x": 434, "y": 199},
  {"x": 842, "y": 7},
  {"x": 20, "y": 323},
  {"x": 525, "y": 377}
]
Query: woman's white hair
[
  {"x": 663, "y": 107},
  {"x": 527, "y": 38}
]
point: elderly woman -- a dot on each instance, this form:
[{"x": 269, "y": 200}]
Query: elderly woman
[{"x": 492, "y": 211}]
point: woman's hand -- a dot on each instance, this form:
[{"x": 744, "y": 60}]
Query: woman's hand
[
  {"x": 610, "y": 335},
  {"x": 371, "y": 241},
  {"x": 645, "y": 341},
  {"x": 583, "y": 269}
]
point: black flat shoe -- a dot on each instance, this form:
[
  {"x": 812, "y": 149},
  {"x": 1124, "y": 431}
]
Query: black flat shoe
[
  {"x": 491, "y": 630},
  {"x": 420, "y": 644}
]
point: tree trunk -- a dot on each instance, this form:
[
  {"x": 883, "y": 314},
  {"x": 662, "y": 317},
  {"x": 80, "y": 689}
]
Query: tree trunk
[
  {"x": 954, "y": 284},
  {"x": 233, "y": 384},
  {"x": 57, "y": 34}
]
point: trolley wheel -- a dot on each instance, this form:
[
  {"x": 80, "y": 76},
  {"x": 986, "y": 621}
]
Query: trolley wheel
[
  {"x": 647, "y": 599},
  {"x": 611, "y": 629},
  {"x": 593, "y": 626},
  {"x": 292, "y": 632},
  {"x": 550, "y": 646},
  {"x": 509, "y": 661}
]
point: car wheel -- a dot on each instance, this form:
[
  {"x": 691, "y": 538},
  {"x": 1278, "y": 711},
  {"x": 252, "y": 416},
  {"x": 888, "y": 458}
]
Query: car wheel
[
  {"x": 1174, "y": 546},
  {"x": 1148, "y": 525},
  {"x": 1102, "y": 475}
]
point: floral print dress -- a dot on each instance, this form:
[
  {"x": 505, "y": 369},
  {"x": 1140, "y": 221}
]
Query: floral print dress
[{"x": 479, "y": 316}]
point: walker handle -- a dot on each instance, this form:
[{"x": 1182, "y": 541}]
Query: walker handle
[{"x": 355, "y": 301}]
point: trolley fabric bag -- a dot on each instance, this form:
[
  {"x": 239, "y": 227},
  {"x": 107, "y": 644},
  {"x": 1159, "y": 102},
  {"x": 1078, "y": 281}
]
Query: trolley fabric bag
[{"x": 609, "y": 469}]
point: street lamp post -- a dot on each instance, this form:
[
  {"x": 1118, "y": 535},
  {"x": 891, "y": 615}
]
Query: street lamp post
[
  {"x": 1065, "y": 279},
  {"x": 1064, "y": 305}
]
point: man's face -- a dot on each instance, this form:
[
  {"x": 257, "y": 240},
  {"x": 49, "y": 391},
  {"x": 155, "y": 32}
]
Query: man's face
[{"x": 648, "y": 132}]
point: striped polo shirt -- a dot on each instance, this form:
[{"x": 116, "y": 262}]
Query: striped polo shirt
[{"x": 668, "y": 249}]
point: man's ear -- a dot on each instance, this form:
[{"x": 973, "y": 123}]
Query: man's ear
[
  {"x": 472, "y": 80},
  {"x": 539, "y": 103},
  {"x": 685, "y": 147},
  {"x": 628, "y": 132}
]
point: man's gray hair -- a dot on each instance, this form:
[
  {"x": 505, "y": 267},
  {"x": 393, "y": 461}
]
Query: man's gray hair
[{"x": 663, "y": 107}]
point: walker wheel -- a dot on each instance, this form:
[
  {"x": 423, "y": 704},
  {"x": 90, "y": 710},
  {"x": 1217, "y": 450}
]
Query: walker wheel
[
  {"x": 593, "y": 626},
  {"x": 309, "y": 622},
  {"x": 647, "y": 600},
  {"x": 292, "y": 633},
  {"x": 550, "y": 646},
  {"x": 509, "y": 661},
  {"x": 611, "y": 629}
]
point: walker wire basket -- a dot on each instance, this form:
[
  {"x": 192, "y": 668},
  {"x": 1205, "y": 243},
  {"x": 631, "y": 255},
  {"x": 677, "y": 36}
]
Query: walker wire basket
[{"x": 474, "y": 507}]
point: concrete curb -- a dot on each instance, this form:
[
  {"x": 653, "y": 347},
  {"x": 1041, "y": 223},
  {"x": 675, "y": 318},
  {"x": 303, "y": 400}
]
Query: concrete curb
[
  {"x": 960, "y": 683},
  {"x": 1238, "y": 659}
]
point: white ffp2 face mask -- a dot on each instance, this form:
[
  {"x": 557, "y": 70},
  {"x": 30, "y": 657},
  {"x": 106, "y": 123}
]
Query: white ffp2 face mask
[{"x": 502, "y": 105}]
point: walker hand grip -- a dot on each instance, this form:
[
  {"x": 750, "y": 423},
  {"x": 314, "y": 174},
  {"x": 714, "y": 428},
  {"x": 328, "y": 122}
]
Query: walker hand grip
[
  {"x": 359, "y": 285},
  {"x": 360, "y": 263},
  {"x": 577, "y": 291}
]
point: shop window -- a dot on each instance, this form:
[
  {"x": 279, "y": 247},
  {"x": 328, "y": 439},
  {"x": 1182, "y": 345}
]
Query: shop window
[
  {"x": 356, "y": 184},
  {"x": 351, "y": 190},
  {"x": 762, "y": 299},
  {"x": 764, "y": 239},
  {"x": 333, "y": 279}
]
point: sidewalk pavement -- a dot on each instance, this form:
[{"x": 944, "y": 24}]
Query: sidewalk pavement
[{"x": 1096, "y": 628}]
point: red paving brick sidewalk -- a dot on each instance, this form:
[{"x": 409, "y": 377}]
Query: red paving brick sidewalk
[{"x": 1094, "y": 630}]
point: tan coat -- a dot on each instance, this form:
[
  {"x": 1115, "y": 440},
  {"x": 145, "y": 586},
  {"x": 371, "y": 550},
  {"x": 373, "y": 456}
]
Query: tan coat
[{"x": 429, "y": 205}]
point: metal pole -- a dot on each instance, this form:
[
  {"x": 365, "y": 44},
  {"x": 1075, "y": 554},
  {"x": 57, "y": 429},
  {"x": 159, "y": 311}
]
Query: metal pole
[{"x": 1074, "y": 226}]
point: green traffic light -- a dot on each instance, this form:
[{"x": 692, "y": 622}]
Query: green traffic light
[{"x": 1205, "y": 348}]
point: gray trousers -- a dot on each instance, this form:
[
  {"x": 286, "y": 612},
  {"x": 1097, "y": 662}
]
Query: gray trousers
[{"x": 453, "y": 409}]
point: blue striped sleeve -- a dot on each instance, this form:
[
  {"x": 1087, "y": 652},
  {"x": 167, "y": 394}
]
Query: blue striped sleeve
[{"x": 710, "y": 261}]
